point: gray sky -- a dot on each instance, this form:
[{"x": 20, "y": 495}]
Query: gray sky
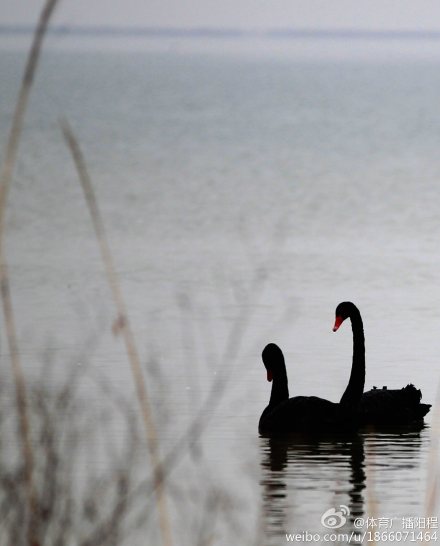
[{"x": 364, "y": 14}]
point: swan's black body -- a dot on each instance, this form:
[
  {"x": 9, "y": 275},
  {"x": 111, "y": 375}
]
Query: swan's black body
[
  {"x": 310, "y": 413},
  {"x": 392, "y": 407},
  {"x": 303, "y": 413}
]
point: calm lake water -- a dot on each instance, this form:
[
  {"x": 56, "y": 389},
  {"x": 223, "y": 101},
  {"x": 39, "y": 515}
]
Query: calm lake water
[{"x": 244, "y": 198}]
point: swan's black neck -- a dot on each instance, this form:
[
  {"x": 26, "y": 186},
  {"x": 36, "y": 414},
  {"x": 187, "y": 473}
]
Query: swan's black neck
[
  {"x": 355, "y": 388},
  {"x": 280, "y": 387}
]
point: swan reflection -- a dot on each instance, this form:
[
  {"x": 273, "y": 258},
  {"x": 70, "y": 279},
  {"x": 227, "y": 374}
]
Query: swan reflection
[{"x": 302, "y": 477}]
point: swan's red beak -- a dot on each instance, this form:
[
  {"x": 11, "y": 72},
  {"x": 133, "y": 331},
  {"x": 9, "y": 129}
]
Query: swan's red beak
[
  {"x": 269, "y": 375},
  {"x": 338, "y": 322}
]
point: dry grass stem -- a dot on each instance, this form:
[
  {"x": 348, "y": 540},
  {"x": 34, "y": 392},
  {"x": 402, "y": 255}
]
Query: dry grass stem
[
  {"x": 5, "y": 183},
  {"x": 432, "y": 473},
  {"x": 122, "y": 325}
]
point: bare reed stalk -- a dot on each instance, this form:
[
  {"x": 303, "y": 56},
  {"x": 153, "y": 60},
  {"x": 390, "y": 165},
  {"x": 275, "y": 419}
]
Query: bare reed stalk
[
  {"x": 432, "y": 485},
  {"x": 122, "y": 324},
  {"x": 372, "y": 503},
  {"x": 195, "y": 429},
  {"x": 11, "y": 333}
]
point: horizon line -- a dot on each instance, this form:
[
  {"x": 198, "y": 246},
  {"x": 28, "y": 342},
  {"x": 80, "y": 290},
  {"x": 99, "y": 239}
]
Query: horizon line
[{"x": 226, "y": 32}]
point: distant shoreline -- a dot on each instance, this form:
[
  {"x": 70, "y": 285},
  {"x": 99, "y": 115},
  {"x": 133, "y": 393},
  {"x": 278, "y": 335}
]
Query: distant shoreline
[{"x": 227, "y": 33}]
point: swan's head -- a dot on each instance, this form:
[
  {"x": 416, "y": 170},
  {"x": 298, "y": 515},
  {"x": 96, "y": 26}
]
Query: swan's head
[
  {"x": 273, "y": 359},
  {"x": 343, "y": 311}
]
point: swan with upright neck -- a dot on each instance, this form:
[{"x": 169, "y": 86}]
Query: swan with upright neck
[
  {"x": 380, "y": 406},
  {"x": 311, "y": 413}
]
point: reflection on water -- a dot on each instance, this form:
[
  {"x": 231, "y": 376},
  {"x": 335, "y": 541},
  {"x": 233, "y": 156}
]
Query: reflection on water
[{"x": 303, "y": 477}]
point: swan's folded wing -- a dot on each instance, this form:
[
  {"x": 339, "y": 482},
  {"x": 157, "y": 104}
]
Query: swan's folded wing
[{"x": 383, "y": 406}]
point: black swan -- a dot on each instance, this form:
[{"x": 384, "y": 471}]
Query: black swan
[
  {"x": 310, "y": 413},
  {"x": 383, "y": 406}
]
